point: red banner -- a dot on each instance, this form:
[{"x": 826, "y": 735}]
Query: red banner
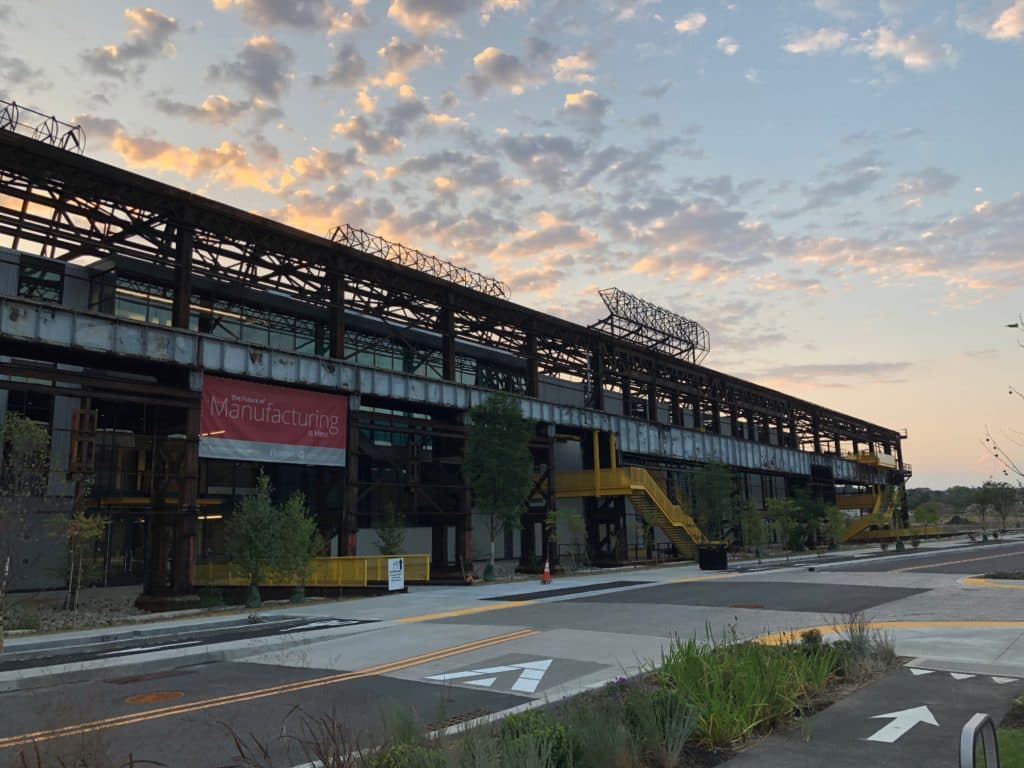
[{"x": 257, "y": 422}]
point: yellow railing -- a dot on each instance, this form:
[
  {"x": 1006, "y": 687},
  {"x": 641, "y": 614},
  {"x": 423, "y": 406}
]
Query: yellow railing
[{"x": 357, "y": 571}]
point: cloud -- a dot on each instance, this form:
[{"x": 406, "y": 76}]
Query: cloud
[
  {"x": 497, "y": 69},
  {"x": 549, "y": 160},
  {"x": 752, "y": 76},
  {"x": 575, "y": 68},
  {"x": 149, "y": 37},
  {"x": 929, "y": 181},
  {"x": 586, "y": 109},
  {"x": 849, "y": 179},
  {"x": 429, "y": 17},
  {"x": 916, "y": 52},
  {"x": 215, "y": 109},
  {"x": 843, "y": 9},
  {"x": 628, "y": 10},
  {"x": 225, "y": 164},
  {"x": 15, "y": 71},
  {"x": 323, "y": 165},
  {"x": 691, "y": 23},
  {"x": 848, "y": 374},
  {"x": 301, "y": 14},
  {"x": 1006, "y": 23},
  {"x": 727, "y": 45},
  {"x": 367, "y": 138},
  {"x": 347, "y": 70},
  {"x": 656, "y": 91},
  {"x": 262, "y": 67},
  {"x": 403, "y": 57},
  {"x": 812, "y": 43}
]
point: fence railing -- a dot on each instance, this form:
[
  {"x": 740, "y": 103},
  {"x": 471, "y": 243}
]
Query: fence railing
[{"x": 356, "y": 571}]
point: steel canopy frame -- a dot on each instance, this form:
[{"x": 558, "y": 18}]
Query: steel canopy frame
[{"x": 59, "y": 205}]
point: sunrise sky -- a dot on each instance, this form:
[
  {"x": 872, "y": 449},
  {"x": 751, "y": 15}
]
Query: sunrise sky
[{"x": 832, "y": 187}]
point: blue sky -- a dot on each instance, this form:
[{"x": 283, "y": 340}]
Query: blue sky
[{"x": 833, "y": 187}]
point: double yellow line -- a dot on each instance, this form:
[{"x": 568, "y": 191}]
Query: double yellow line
[{"x": 260, "y": 693}]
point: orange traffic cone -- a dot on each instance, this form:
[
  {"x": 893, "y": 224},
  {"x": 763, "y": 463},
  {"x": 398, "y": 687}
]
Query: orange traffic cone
[{"x": 546, "y": 576}]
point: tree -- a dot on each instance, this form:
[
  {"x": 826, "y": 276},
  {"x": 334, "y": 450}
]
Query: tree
[
  {"x": 299, "y": 542},
  {"x": 497, "y": 465},
  {"x": 1000, "y": 496},
  {"x": 714, "y": 485},
  {"x": 836, "y": 522},
  {"x": 391, "y": 531},
  {"x": 252, "y": 537},
  {"x": 82, "y": 530},
  {"x": 785, "y": 513},
  {"x": 754, "y": 534},
  {"x": 927, "y": 513},
  {"x": 24, "y": 471}
]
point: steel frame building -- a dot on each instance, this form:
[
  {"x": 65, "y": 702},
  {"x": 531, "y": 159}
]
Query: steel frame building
[{"x": 413, "y": 350}]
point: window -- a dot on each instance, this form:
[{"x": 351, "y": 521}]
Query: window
[{"x": 40, "y": 282}]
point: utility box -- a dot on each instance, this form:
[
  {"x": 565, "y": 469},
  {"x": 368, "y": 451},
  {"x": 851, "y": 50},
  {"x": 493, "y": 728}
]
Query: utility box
[{"x": 712, "y": 557}]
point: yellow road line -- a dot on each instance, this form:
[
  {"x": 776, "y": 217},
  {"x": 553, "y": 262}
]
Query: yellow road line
[
  {"x": 995, "y": 583},
  {"x": 465, "y": 611},
  {"x": 793, "y": 635},
  {"x": 244, "y": 696},
  {"x": 955, "y": 562},
  {"x": 716, "y": 577}
]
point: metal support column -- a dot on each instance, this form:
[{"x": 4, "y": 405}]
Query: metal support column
[
  {"x": 336, "y": 313},
  {"x": 182, "y": 306}
]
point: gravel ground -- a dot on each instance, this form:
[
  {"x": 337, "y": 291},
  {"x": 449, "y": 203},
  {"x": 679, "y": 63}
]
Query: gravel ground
[{"x": 44, "y": 611}]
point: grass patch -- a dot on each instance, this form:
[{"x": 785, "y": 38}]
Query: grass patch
[{"x": 1005, "y": 575}]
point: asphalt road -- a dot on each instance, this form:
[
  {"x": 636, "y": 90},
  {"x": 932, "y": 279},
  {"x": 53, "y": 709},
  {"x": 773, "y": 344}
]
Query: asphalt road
[
  {"x": 972, "y": 560},
  {"x": 76, "y": 650},
  {"x": 450, "y": 654}
]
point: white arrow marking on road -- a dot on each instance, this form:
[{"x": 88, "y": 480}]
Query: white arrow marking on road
[
  {"x": 959, "y": 676},
  {"x": 919, "y": 672},
  {"x": 530, "y": 675},
  {"x": 902, "y": 722},
  {"x": 1004, "y": 680}
]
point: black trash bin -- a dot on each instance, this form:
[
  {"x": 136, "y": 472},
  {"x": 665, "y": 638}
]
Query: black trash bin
[{"x": 712, "y": 557}]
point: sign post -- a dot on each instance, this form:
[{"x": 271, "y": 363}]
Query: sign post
[{"x": 396, "y": 574}]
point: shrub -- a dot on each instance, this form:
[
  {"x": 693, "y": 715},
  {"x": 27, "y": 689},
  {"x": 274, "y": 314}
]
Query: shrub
[
  {"x": 598, "y": 731},
  {"x": 884, "y": 545},
  {"x": 407, "y": 756},
  {"x": 211, "y": 597},
  {"x": 543, "y": 729},
  {"x": 660, "y": 723},
  {"x": 811, "y": 638},
  {"x": 738, "y": 688},
  {"x": 915, "y": 542}
]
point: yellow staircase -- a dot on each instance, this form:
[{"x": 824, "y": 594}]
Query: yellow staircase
[
  {"x": 647, "y": 496},
  {"x": 886, "y": 505}
]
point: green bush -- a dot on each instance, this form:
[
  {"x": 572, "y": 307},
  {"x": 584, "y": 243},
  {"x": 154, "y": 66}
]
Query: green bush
[
  {"x": 211, "y": 597},
  {"x": 407, "y": 756},
  {"x": 540, "y": 727},
  {"x": 598, "y": 731},
  {"x": 738, "y": 688}
]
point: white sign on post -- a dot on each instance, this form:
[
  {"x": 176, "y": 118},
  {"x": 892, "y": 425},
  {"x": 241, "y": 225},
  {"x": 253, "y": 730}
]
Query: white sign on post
[{"x": 396, "y": 573}]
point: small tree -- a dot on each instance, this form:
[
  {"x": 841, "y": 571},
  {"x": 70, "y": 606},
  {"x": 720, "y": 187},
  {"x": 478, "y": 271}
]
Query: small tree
[
  {"x": 252, "y": 537},
  {"x": 497, "y": 465},
  {"x": 754, "y": 534},
  {"x": 299, "y": 542},
  {"x": 391, "y": 531},
  {"x": 927, "y": 513},
  {"x": 24, "y": 471},
  {"x": 81, "y": 531},
  {"x": 786, "y": 512},
  {"x": 714, "y": 485},
  {"x": 836, "y": 521}
]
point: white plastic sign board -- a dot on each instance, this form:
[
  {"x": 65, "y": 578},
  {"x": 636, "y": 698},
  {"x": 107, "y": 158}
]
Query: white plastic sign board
[{"x": 396, "y": 573}]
